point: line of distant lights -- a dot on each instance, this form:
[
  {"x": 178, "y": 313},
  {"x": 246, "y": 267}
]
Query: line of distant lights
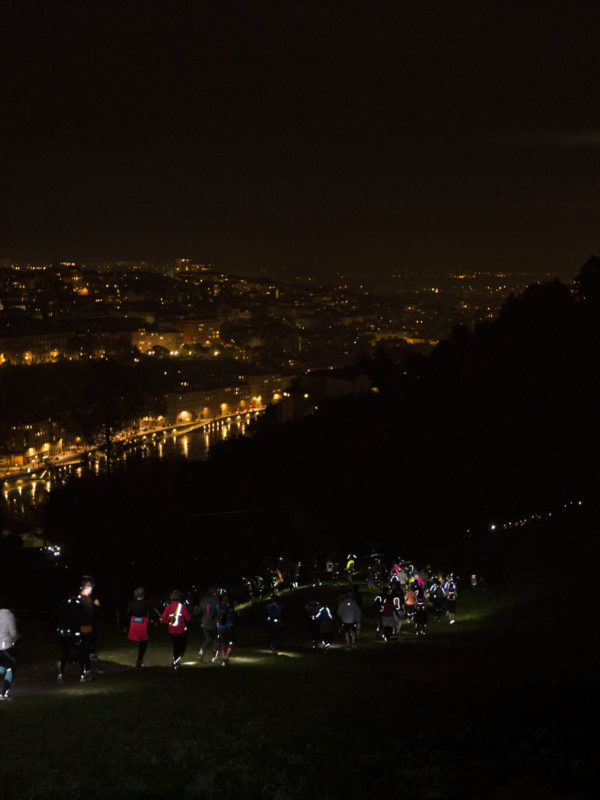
[{"x": 520, "y": 523}]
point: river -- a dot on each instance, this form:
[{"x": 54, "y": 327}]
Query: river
[{"x": 25, "y": 496}]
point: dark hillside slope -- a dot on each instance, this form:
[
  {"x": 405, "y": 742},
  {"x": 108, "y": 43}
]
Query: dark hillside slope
[{"x": 542, "y": 599}]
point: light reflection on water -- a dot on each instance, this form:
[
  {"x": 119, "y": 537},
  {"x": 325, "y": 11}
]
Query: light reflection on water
[{"x": 21, "y": 499}]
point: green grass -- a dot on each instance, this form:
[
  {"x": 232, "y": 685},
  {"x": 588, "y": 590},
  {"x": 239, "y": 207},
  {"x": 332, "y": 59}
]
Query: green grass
[{"x": 491, "y": 706}]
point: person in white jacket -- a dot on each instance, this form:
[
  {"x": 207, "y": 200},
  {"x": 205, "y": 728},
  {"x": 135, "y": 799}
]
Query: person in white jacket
[
  {"x": 8, "y": 638},
  {"x": 350, "y": 614}
]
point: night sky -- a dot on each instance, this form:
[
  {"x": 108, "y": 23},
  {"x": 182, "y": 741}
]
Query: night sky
[{"x": 303, "y": 137}]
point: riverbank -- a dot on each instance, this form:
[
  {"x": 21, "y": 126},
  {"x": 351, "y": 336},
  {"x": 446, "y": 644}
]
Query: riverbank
[
  {"x": 77, "y": 455},
  {"x": 25, "y": 495}
]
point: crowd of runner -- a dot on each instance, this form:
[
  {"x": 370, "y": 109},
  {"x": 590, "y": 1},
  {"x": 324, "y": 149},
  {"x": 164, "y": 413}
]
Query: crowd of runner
[{"x": 401, "y": 595}]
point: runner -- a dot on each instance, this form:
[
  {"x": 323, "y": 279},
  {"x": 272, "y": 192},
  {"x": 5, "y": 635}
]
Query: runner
[
  {"x": 176, "y": 615},
  {"x": 420, "y": 614},
  {"x": 8, "y": 639},
  {"x": 388, "y": 622},
  {"x": 137, "y": 621},
  {"x": 325, "y": 619},
  {"x": 274, "y": 624},
  {"x": 312, "y": 609},
  {"x": 451, "y": 593},
  {"x": 329, "y": 569},
  {"x": 87, "y": 606},
  {"x": 90, "y": 605},
  {"x": 226, "y": 617},
  {"x": 350, "y": 614},
  {"x": 350, "y": 567},
  {"x": 437, "y": 597},
  {"x": 208, "y": 615},
  {"x": 410, "y": 601},
  {"x": 68, "y": 630},
  {"x": 398, "y": 600}
]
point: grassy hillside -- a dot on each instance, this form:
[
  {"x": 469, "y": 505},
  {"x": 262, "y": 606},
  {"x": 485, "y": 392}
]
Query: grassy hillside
[{"x": 497, "y": 705}]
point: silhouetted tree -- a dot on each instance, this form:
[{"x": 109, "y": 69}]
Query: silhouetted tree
[
  {"x": 106, "y": 400},
  {"x": 588, "y": 280}
]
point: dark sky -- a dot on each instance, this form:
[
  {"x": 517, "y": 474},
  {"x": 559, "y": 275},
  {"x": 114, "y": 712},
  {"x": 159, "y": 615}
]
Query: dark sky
[{"x": 305, "y": 136}]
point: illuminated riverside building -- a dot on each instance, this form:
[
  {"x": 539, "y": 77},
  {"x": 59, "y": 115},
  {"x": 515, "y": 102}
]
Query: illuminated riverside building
[
  {"x": 24, "y": 444},
  {"x": 256, "y": 392},
  {"x": 35, "y": 348}
]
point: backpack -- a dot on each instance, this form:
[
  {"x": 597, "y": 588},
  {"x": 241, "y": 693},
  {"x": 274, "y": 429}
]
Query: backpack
[
  {"x": 388, "y": 608},
  {"x": 224, "y": 614},
  {"x": 312, "y": 608},
  {"x": 208, "y": 610},
  {"x": 68, "y": 618}
]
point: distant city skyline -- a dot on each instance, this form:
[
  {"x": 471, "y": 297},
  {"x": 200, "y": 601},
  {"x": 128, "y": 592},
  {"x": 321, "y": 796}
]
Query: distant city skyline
[
  {"x": 400, "y": 281},
  {"x": 304, "y": 139}
]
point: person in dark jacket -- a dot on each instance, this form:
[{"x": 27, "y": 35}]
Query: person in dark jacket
[
  {"x": 87, "y": 606},
  {"x": 274, "y": 624},
  {"x": 388, "y": 620},
  {"x": 68, "y": 630},
  {"x": 438, "y": 598},
  {"x": 421, "y": 613},
  {"x": 208, "y": 616},
  {"x": 312, "y": 609},
  {"x": 325, "y": 619},
  {"x": 226, "y": 617},
  {"x": 90, "y": 607}
]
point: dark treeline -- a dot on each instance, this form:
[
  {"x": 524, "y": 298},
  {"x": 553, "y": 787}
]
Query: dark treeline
[
  {"x": 75, "y": 393},
  {"x": 499, "y": 422},
  {"x": 83, "y": 397}
]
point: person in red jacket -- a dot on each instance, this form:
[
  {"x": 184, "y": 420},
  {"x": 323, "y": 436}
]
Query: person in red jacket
[
  {"x": 176, "y": 615},
  {"x": 137, "y": 620}
]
